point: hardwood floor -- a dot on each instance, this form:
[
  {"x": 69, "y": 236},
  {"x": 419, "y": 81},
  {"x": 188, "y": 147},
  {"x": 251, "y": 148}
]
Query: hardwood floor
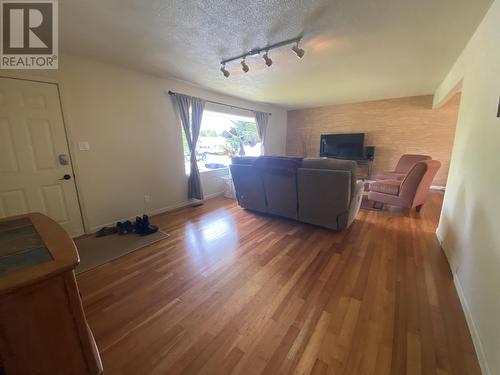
[{"x": 233, "y": 292}]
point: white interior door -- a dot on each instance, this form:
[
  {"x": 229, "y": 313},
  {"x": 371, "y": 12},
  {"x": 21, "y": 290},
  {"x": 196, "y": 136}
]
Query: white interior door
[{"x": 34, "y": 157}]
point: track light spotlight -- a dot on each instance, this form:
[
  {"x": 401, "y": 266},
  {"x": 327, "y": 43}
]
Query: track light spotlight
[
  {"x": 299, "y": 51},
  {"x": 268, "y": 61},
  {"x": 224, "y": 70},
  {"x": 244, "y": 66}
]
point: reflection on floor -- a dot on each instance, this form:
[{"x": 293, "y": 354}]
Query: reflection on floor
[{"x": 235, "y": 292}]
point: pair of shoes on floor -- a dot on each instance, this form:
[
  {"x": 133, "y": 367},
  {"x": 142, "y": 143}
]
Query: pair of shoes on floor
[
  {"x": 125, "y": 228},
  {"x": 143, "y": 227}
]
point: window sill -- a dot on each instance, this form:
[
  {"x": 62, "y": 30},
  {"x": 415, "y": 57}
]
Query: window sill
[{"x": 214, "y": 170}]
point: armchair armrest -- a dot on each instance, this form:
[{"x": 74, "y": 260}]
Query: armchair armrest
[
  {"x": 390, "y": 175},
  {"x": 355, "y": 203}
]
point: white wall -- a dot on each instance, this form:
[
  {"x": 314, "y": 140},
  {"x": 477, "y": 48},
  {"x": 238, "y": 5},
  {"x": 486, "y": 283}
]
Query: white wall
[
  {"x": 134, "y": 135},
  {"x": 469, "y": 229}
]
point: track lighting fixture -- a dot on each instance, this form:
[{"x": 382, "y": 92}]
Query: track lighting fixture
[
  {"x": 244, "y": 66},
  {"x": 268, "y": 61},
  {"x": 224, "y": 70},
  {"x": 257, "y": 51},
  {"x": 299, "y": 51}
]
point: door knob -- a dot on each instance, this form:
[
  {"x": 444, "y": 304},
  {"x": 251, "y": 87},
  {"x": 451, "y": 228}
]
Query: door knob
[{"x": 66, "y": 177}]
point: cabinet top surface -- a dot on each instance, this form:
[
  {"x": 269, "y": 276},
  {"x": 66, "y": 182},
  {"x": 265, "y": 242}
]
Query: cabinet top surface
[{"x": 33, "y": 247}]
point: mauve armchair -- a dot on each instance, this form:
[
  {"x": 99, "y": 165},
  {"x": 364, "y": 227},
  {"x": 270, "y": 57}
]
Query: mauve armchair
[
  {"x": 411, "y": 192},
  {"x": 402, "y": 168}
]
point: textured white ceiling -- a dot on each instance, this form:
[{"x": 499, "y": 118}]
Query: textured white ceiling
[{"x": 355, "y": 49}]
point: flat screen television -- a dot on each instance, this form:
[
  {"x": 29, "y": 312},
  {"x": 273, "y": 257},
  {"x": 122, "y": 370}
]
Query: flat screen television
[{"x": 343, "y": 146}]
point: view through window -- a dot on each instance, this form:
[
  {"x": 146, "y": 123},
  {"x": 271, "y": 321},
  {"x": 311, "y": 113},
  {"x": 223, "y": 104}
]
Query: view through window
[{"x": 223, "y": 136}]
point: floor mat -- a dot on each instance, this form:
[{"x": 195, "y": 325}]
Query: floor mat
[{"x": 95, "y": 251}]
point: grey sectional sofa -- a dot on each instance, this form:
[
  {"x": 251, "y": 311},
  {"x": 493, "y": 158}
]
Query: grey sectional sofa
[{"x": 318, "y": 191}]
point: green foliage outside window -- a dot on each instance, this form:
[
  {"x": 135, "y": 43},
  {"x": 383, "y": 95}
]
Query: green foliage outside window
[
  {"x": 242, "y": 134},
  {"x": 208, "y": 133}
]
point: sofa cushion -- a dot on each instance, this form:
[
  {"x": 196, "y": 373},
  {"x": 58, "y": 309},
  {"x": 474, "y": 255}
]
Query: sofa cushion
[{"x": 390, "y": 187}]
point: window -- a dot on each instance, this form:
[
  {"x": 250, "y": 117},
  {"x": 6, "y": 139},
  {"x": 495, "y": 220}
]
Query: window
[{"x": 223, "y": 136}]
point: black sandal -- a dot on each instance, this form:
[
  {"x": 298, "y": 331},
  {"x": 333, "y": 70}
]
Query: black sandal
[{"x": 105, "y": 231}]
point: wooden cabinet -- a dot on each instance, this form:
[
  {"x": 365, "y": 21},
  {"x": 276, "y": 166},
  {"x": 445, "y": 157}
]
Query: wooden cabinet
[{"x": 43, "y": 329}]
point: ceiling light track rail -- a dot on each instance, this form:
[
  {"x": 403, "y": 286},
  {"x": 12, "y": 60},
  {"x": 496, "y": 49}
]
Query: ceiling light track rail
[{"x": 257, "y": 51}]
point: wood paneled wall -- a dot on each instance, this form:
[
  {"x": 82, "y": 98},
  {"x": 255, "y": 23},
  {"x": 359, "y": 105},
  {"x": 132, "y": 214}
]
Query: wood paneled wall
[{"x": 393, "y": 126}]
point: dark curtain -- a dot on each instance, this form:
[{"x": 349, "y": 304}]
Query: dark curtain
[{"x": 191, "y": 112}]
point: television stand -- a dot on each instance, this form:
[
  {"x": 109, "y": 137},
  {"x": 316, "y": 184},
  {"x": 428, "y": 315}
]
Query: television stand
[{"x": 364, "y": 168}]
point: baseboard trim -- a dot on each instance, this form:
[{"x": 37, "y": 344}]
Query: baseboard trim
[
  {"x": 476, "y": 339},
  {"x": 472, "y": 327},
  {"x": 433, "y": 187},
  {"x": 213, "y": 195},
  {"x": 155, "y": 212}
]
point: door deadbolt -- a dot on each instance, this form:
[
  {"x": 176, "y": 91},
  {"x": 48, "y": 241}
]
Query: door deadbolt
[{"x": 63, "y": 159}]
